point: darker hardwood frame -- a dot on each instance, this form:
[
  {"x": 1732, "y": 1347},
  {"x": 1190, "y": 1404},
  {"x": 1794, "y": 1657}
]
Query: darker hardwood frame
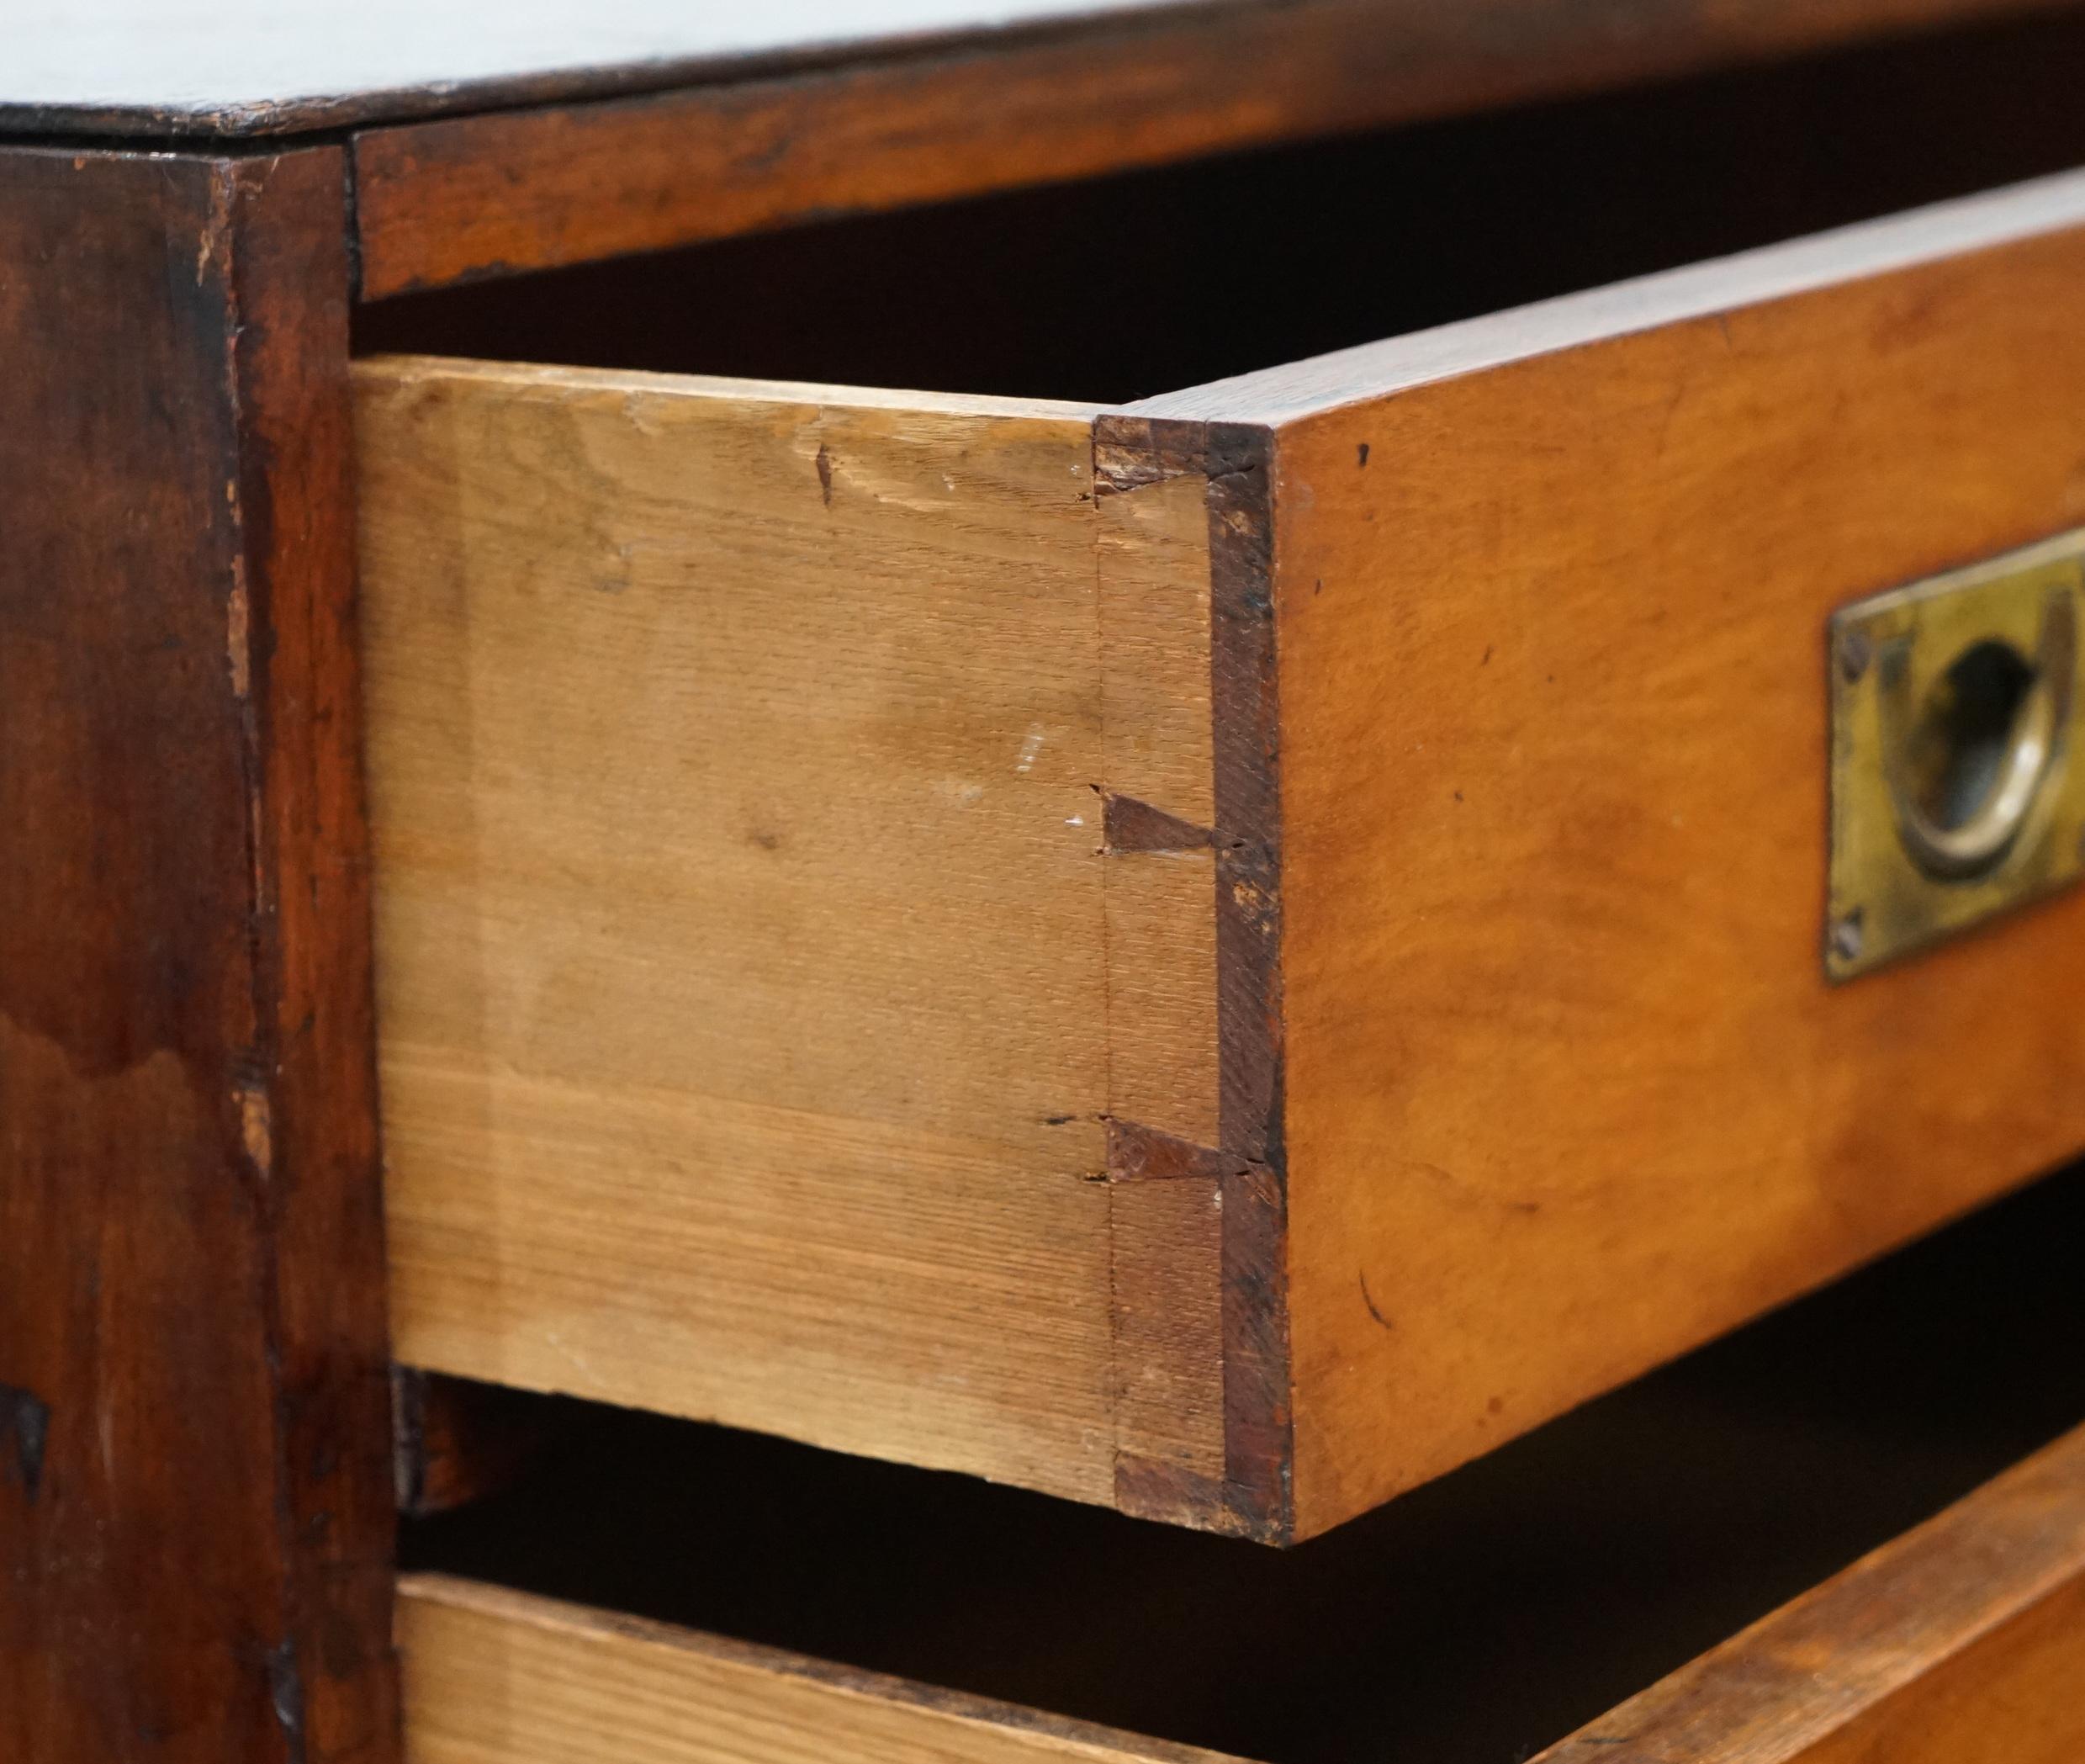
[
  {"x": 458, "y": 197},
  {"x": 1634, "y": 37},
  {"x": 196, "y": 1512}
]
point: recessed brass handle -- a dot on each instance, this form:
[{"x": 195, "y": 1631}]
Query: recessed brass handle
[
  {"x": 1966, "y": 759},
  {"x": 1958, "y": 785}
]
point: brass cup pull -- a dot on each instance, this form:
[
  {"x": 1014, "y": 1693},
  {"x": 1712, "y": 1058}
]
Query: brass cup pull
[
  {"x": 1956, "y": 792},
  {"x": 1966, "y": 759}
]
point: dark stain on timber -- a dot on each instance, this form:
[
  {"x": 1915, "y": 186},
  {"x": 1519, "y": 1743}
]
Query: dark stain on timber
[
  {"x": 825, "y": 472},
  {"x": 1138, "y": 1153},
  {"x": 1129, "y": 825},
  {"x": 1363, "y": 451},
  {"x": 25, "y": 1419}
]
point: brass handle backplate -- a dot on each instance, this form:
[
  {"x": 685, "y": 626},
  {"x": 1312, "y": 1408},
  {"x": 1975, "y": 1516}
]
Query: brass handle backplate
[{"x": 1955, "y": 791}]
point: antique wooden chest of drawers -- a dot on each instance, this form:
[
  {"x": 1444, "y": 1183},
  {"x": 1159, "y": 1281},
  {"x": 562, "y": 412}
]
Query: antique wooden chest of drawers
[{"x": 1261, "y": 893}]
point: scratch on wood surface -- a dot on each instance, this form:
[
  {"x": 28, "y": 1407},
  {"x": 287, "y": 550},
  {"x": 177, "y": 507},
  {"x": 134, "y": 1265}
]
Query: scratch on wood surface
[
  {"x": 256, "y": 1129},
  {"x": 286, "y": 1693},
  {"x": 1367, "y": 1298},
  {"x": 214, "y": 247},
  {"x": 238, "y": 624}
]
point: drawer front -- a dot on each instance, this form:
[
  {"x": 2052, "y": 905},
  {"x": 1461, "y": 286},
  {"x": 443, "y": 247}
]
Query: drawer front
[
  {"x": 1962, "y": 1641},
  {"x": 1546, "y": 597},
  {"x": 498, "y": 1677},
  {"x": 1224, "y": 956}
]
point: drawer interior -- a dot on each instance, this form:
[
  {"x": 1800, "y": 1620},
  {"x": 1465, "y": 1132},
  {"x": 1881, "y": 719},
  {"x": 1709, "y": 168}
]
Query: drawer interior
[
  {"x": 1125, "y": 288},
  {"x": 1473, "y": 1622}
]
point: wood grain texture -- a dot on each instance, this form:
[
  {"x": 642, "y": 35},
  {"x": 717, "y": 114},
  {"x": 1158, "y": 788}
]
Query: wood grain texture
[
  {"x": 1152, "y": 548},
  {"x": 499, "y": 1677},
  {"x": 744, "y": 983},
  {"x": 1566, "y": 1092},
  {"x": 1962, "y": 1642},
  {"x": 475, "y": 195},
  {"x": 1166, "y": 1221},
  {"x": 1165, "y": 1200},
  {"x": 1161, "y": 990},
  {"x": 195, "y": 1506}
]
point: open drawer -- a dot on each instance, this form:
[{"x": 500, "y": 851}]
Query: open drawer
[
  {"x": 1772, "y": 1535},
  {"x": 1221, "y": 955},
  {"x": 1964, "y": 1640}
]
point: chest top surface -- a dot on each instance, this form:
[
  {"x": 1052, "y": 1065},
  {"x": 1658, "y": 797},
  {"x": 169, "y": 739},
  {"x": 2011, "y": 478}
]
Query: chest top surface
[{"x": 263, "y": 67}]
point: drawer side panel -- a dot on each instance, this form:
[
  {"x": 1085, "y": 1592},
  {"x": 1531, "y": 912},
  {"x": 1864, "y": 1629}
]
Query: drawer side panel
[{"x": 741, "y": 979}]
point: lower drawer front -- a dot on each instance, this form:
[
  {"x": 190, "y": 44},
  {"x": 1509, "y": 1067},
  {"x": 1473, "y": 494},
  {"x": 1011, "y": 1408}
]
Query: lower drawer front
[
  {"x": 1962, "y": 1642},
  {"x": 1221, "y": 957},
  {"x": 497, "y": 1677}
]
